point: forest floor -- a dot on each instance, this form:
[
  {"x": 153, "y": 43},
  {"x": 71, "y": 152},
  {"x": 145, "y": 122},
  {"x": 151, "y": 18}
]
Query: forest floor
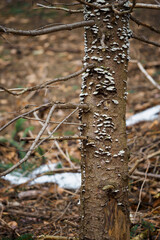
[{"x": 47, "y": 209}]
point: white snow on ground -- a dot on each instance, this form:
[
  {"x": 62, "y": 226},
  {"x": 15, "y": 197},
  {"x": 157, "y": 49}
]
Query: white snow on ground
[
  {"x": 147, "y": 115},
  {"x": 64, "y": 180},
  {"x": 73, "y": 180}
]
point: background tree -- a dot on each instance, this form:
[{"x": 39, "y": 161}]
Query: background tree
[{"x": 104, "y": 193}]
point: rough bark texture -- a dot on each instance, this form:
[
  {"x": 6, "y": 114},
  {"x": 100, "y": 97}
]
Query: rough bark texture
[{"x": 104, "y": 193}]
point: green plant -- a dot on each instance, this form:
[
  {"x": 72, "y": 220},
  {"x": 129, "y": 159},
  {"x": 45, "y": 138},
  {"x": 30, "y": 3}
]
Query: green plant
[
  {"x": 148, "y": 225},
  {"x": 134, "y": 230},
  {"x": 41, "y": 153},
  {"x": 14, "y": 141},
  {"x": 26, "y": 236},
  {"x": 19, "y": 127}
]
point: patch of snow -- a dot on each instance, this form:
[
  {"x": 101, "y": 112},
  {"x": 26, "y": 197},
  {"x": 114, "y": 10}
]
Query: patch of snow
[
  {"x": 149, "y": 114},
  {"x": 73, "y": 180},
  {"x": 64, "y": 180}
]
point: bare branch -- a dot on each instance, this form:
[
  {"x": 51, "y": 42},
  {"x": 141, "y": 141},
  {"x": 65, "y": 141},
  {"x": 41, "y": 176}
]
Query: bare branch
[
  {"x": 53, "y": 122},
  {"x": 55, "y": 138},
  {"x": 137, "y": 5},
  {"x": 141, "y": 160},
  {"x": 143, "y": 39},
  {"x": 60, "y": 8},
  {"x": 146, "y": 73},
  {"x": 22, "y": 115},
  {"x": 45, "y": 84},
  {"x": 56, "y": 143},
  {"x": 144, "y": 24},
  {"x": 33, "y": 146},
  {"x": 140, "y": 193},
  {"x": 46, "y": 30},
  {"x": 47, "y": 105},
  {"x": 150, "y": 175},
  {"x": 55, "y": 129},
  {"x": 98, "y": 6},
  {"x": 66, "y": 4},
  {"x": 147, "y": 6}
]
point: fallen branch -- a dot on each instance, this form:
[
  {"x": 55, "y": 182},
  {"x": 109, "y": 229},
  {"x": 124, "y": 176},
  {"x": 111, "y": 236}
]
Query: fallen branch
[
  {"x": 4, "y": 223},
  {"x": 150, "y": 175},
  {"x": 141, "y": 160},
  {"x": 51, "y": 237},
  {"x": 71, "y": 224},
  {"x": 27, "y": 214}
]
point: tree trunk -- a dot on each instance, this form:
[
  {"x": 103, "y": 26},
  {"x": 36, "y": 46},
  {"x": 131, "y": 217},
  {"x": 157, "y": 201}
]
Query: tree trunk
[{"x": 104, "y": 193}]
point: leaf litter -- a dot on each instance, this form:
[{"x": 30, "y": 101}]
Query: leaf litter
[{"x": 47, "y": 208}]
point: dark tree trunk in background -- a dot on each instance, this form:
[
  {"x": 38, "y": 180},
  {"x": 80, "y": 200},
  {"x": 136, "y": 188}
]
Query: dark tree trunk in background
[{"x": 104, "y": 193}]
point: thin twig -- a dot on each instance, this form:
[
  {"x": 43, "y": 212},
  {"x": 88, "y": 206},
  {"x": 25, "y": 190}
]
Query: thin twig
[
  {"x": 4, "y": 223},
  {"x": 140, "y": 193},
  {"x": 55, "y": 129},
  {"x": 150, "y": 175},
  {"x": 46, "y": 30},
  {"x": 147, "y": 6},
  {"x": 137, "y": 5},
  {"x": 47, "y": 105},
  {"x": 57, "y": 144},
  {"x": 138, "y": 22},
  {"x": 62, "y": 3},
  {"x": 33, "y": 146},
  {"x": 71, "y": 224},
  {"x": 47, "y": 83},
  {"x": 141, "y": 160},
  {"x": 51, "y": 237},
  {"x": 143, "y": 39},
  {"x": 55, "y": 138},
  {"x": 53, "y": 122},
  {"x": 27, "y": 214},
  {"x": 140, "y": 66},
  {"x": 60, "y": 8},
  {"x": 22, "y": 115}
]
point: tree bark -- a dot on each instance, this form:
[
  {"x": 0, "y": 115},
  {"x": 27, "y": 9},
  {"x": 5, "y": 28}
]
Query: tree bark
[{"x": 104, "y": 192}]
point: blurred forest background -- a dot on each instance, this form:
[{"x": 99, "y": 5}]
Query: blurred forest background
[{"x": 33, "y": 210}]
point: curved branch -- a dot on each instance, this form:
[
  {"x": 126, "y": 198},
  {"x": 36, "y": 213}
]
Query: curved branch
[
  {"x": 46, "y": 30},
  {"x": 138, "y": 22},
  {"x": 33, "y": 146},
  {"x": 45, "y": 106},
  {"x": 60, "y": 8},
  {"x": 147, "y": 6},
  {"x": 143, "y": 39},
  {"x": 47, "y": 83}
]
